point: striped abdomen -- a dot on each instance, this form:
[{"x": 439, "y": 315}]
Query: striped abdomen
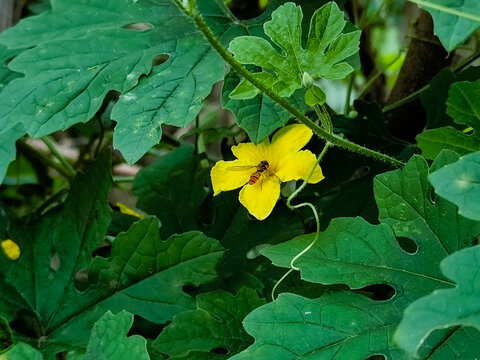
[{"x": 261, "y": 168}]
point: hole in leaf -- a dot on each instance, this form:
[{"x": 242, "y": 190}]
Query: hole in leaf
[
  {"x": 360, "y": 172},
  {"x": 146, "y": 328},
  {"x": 247, "y": 9},
  {"x": 104, "y": 250},
  {"x": 432, "y": 196},
  {"x": 160, "y": 59},
  {"x": 220, "y": 350},
  {"x": 377, "y": 357},
  {"x": 81, "y": 280},
  {"x": 140, "y": 26},
  {"x": 206, "y": 213},
  {"x": 61, "y": 355},
  {"x": 54, "y": 261},
  {"x": 378, "y": 292},
  {"x": 190, "y": 289},
  {"x": 27, "y": 323},
  {"x": 408, "y": 245}
]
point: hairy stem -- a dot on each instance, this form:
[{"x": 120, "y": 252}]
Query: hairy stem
[{"x": 191, "y": 10}]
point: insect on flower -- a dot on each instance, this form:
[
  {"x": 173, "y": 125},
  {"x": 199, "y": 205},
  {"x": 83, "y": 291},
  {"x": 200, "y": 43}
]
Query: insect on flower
[{"x": 259, "y": 169}]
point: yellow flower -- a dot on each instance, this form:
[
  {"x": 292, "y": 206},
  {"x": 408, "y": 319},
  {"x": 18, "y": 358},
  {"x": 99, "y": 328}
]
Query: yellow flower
[
  {"x": 284, "y": 162},
  {"x": 11, "y": 249}
]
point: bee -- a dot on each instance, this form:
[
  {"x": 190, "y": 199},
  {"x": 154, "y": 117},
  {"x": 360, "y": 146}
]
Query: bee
[{"x": 261, "y": 169}]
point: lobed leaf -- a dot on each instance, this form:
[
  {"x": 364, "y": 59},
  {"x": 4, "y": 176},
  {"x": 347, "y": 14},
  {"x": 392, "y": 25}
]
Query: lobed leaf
[
  {"x": 214, "y": 325},
  {"x": 459, "y": 306},
  {"x": 109, "y": 340},
  {"x": 459, "y": 183},
  {"x": 453, "y": 25},
  {"x": 80, "y": 51},
  {"x": 324, "y": 57},
  {"x": 353, "y": 252},
  {"x": 144, "y": 275}
]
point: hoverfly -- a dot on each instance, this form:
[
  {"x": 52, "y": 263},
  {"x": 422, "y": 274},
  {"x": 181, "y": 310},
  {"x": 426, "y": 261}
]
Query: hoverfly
[{"x": 261, "y": 169}]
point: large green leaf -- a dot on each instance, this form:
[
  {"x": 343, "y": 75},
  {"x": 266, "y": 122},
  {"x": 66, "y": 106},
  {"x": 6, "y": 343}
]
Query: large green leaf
[
  {"x": 81, "y": 50},
  {"x": 173, "y": 188},
  {"x": 143, "y": 274},
  {"x": 324, "y": 56},
  {"x": 453, "y": 20},
  {"x": 462, "y": 106},
  {"x": 336, "y": 326},
  {"x": 459, "y": 183},
  {"x": 109, "y": 339},
  {"x": 445, "y": 308},
  {"x": 214, "y": 325},
  {"x": 353, "y": 252}
]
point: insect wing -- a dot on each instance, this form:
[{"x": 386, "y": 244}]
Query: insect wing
[{"x": 241, "y": 168}]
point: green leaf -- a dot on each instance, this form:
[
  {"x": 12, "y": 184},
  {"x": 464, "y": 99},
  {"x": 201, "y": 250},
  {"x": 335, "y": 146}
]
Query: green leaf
[
  {"x": 7, "y": 75},
  {"x": 445, "y": 308},
  {"x": 215, "y": 324},
  {"x": 433, "y": 141},
  {"x": 21, "y": 351},
  {"x": 6, "y": 337},
  {"x": 462, "y": 105},
  {"x": 453, "y": 21},
  {"x": 46, "y": 286},
  {"x": 173, "y": 188},
  {"x": 140, "y": 112},
  {"x": 109, "y": 339},
  {"x": 459, "y": 183},
  {"x": 353, "y": 252},
  {"x": 259, "y": 116},
  {"x": 92, "y": 47},
  {"x": 324, "y": 56},
  {"x": 434, "y": 98},
  {"x": 8, "y": 151}
]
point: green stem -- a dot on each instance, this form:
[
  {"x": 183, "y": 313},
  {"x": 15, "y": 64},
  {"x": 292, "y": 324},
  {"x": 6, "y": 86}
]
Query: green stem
[
  {"x": 119, "y": 179},
  {"x": 413, "y": 96},
  {"x": 374, "y": 78},
  {"x": 66, "y": 165},
  {"x": 349, "y": 95},
  {"x": 315, "y": 214},
  {"x": 193, "y": 12},
  {"x": 44, "y": 159}
]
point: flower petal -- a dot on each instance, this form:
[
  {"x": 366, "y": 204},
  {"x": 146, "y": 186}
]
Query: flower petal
[
  {"x": 250, "y": 153},
  {"x": 225, "y": 179},
  {"x": 297, "y": 166},
  {"x": 260, "y": 198},
  {"x": 288, "y": 140}
]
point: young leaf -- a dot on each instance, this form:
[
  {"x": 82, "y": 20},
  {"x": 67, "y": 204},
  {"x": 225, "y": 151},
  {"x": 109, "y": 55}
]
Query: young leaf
[
  {"x": 459, "y": 183},
  {"x": 462, "y": 106},
  {"x": 324, "y": 56},
  {"x": 444, "y": 308},
  {"x": 215, "y": 324},
  {"x": 453, "y": 21},
  {"x": 109, "y": 339},
  {"x": 356, "y": 253}
]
